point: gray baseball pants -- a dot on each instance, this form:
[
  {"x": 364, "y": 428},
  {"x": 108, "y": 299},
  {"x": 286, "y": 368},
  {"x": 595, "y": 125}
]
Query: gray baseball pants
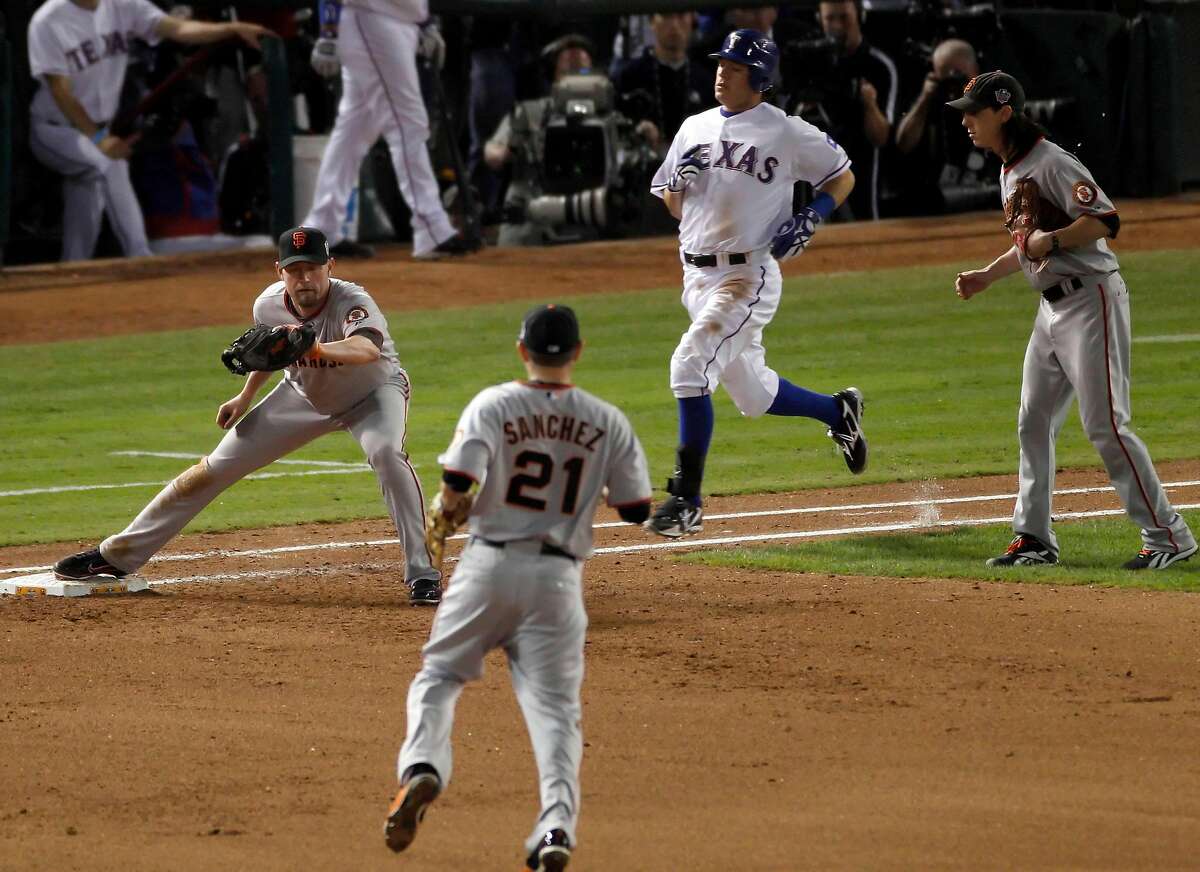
[
  {"x": 531, "y": 605},
  {"x": 1080, "y": 347},
  {"x": 283, "y": 422}
]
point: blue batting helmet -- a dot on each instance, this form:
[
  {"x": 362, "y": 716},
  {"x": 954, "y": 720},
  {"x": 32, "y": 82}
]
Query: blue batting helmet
[{"x": 755, "y": 50}]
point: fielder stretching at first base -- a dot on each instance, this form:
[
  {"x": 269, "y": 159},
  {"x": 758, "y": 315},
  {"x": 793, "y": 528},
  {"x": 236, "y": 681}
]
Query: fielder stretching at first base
[
  {"x": 347, "y": 379},
  {"x": 544, "y": 451},
  {"x": 728, "y": 177}
]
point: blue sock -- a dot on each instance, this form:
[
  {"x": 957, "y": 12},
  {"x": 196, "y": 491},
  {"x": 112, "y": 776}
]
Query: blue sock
[
  {"x": 798, "y": 402},
  {"x": 696, "y": 423}
]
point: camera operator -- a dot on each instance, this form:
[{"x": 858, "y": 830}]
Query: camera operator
[
  {"x": 662, "y": 87},
  {"x": 855, "y": 101},
  {"x": 942, "y": 172},
  {"x": 520, "y": 144}
]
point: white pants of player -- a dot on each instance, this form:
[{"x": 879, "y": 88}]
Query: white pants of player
[
  {"x": 381, "y": 96},
  {"x": 531, "y": 605},
  {"x": 729, "y": 307},
  {"x": 283, "y": 422},
  {"x": 93, "y": 183},
  {"x": 1080, "y": 347}
]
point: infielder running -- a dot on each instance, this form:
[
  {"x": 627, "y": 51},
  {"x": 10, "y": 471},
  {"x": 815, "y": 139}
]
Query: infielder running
[
  {"x": 728, "y": 178},
  {"x": 543, "y": 451},
  {"x": 1059, "y": 219},
  {"x": 374, "y": 45},
  {"x": 350, "y": 380},
  {"x": 78, "y": 52}
]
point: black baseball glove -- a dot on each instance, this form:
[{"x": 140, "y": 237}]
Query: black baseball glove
[{"x": 265, "y": 349}]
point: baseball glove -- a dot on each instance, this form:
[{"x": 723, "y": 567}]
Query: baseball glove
[
  {"x": 441, "y": 524},
  {"x": 265, "y": 349},
  {"x": 1026, "y": 210}
]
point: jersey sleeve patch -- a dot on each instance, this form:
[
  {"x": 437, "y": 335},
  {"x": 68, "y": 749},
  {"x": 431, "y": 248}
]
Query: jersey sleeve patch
[
  {"x": 356, "y": 314},
  {"x": 1085, "y": 193}
]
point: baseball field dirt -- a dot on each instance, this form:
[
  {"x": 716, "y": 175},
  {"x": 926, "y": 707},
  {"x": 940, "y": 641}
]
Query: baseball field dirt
[{"x": 733, "y": 720}]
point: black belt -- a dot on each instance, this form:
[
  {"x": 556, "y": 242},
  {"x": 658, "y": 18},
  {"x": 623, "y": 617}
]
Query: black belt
[
  {"x": 735, "y": 259},
  {"x": 547, "y": 549},
  {"x": 1054, "y": 293}
]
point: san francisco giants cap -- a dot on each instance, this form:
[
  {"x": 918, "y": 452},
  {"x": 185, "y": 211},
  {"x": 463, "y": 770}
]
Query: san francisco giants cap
[
  {"x": 303, "y": 244},
  {"x": 992, "y": 90},
  {"x": 550, "y": 329}
]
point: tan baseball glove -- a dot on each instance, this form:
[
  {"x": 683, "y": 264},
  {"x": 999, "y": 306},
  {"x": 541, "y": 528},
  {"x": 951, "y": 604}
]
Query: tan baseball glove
[
  {"x": 441, "y": 524},
  {"x": 1026, "y": 210}
]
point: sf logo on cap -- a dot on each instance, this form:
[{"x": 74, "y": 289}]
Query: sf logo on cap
[{"x": 299, "y": 237}]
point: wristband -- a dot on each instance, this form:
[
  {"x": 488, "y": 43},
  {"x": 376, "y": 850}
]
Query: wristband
[
  {"x": 823, "y": 205},
  {"x": 1054, "y": 244},
  {"x": 99, "y": 135}
]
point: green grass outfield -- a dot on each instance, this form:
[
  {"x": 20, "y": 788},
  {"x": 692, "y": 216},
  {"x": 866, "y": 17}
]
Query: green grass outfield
[
  {"x": 940, "y": 376},
  {"x": 1092, "y": 552}
]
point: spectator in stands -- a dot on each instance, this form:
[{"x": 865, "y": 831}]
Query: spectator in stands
[
  {"x": 78, "y": 52},
  {"x": 662, "y": 87},
  {"x": 857, "y": 103},
  {"x": 634, "y": 35},
  {"x": 493, "y": 89},
  {"x": 519, "y": 141},
  {"x": 941, "y": 170}
]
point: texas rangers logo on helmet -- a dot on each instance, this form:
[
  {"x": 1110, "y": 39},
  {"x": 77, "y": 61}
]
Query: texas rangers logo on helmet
[
  {"x": 299, "y": 237},
  {"x": 1003, "y": 95}
]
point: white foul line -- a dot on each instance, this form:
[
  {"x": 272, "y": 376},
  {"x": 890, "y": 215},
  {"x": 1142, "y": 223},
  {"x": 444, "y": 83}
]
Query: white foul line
[
  {"x": 689, "y": 543},
  {"x": 90, "y": 487},
  {"x": 183, "y": 455},
  {"x": 1169, "y": 337}
]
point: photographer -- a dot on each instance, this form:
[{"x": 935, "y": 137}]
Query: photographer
[
  {"x": 519, "y": 141},
  {"x": 851, "y": 95},
  {"x": 662, "y": 87},
  {"x": 941, "y": 171}
]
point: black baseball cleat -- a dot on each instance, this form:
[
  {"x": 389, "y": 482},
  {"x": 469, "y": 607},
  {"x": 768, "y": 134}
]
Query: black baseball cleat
[
  {"x": 1025, "y": 551},
  {"x": 351, "y": 249},
  {"x": 85, "y": 566},
  {"x": 1148, "y": 558},
  {"x": 425, "y": 592},
  {"x": 408, "y": 809},
  {"x": 456, "y": 246},
  {"x": 676, "y": 517},
  {"x": 848, "y": 435},
  {"x": 552, "y": 854}
]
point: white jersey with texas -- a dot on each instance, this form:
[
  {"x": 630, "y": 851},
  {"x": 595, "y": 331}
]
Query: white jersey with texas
[
  {"x": 334, "y": 387},
  {"x": 752, "y": 159},
  {"x": 91, "y": 48},
  {"x": 543, "y": 455}
]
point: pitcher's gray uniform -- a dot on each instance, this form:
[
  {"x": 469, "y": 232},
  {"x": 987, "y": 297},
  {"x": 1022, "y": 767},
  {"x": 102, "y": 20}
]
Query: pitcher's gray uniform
[
  {"x": 91, "y": 47},
  {"x": 1080, "y": 346},
  {"x": 315, "y": 397},
  {"x": 543, "y": 454}
]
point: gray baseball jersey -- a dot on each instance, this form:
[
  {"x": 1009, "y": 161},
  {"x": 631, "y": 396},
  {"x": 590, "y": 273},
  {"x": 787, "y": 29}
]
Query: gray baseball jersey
[
  {"x": 1066, "y": 183},
  {"x": 332, "y": 387},
  {"x": 543, "y": 454}
]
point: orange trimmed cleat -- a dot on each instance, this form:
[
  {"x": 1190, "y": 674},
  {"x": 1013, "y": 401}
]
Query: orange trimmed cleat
[{"x": 408, "y": 809}]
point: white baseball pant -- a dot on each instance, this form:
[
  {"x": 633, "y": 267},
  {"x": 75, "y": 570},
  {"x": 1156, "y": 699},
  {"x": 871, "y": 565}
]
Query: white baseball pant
[{"x": 93, "y": 183}]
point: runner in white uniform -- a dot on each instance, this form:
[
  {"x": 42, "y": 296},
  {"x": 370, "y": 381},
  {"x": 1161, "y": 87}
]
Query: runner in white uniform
[
  {"x": 78, "y": 52},
  {"x": 543, "y": 452},
  {"x": 728, "y": 177},
  {"x": 374, "y": 44},
  {"x": 1081, "y": 337},
  {"x": 351, "y": 380}
]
